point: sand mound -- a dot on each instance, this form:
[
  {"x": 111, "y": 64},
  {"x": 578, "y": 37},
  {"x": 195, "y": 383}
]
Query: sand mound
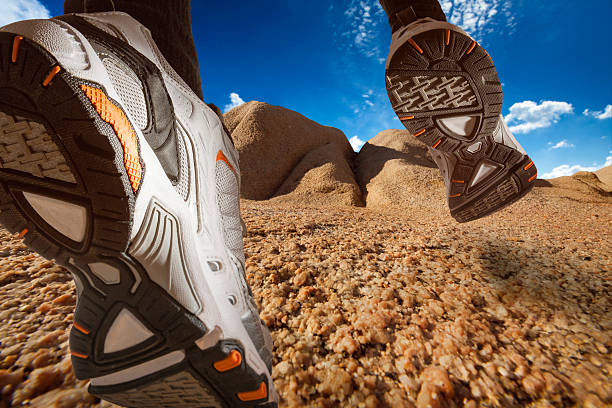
[
  {"x": 396, "y": 170},
  {"x": 272, "y": 141},
  {"x": 582, "y": 186},
  {"x": 605, "y": 176},
  {"x": 324, "y": 177}
]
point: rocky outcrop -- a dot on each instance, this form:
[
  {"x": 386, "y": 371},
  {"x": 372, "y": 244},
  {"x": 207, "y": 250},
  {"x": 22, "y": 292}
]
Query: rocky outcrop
[
  {"x": 395, "y": 170},
  {"x": 272, "y": 141},
  {"x": 322, "y": 178}
]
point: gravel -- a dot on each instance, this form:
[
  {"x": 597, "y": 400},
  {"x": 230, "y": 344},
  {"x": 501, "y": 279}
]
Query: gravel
[{"x": 381, "y": 307}]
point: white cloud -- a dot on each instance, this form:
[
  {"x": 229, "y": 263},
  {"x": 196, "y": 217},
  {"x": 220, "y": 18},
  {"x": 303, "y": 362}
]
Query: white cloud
[
  {"x": 360, "y": 26},
  {"x": 567, "y": 170},
  {"x": 17, "y": 10},
  {"x": 601, "y": 115},
  {"x": 477, "y": 17},
  {"x": 561, "y": 144},
  {"x": 236, "y": 101},
  {"x": 528, "y": 115},
  {"x": 356, "y": 143}
]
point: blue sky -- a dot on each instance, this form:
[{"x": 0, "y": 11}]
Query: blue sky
[{"x": 325, "y": 59}]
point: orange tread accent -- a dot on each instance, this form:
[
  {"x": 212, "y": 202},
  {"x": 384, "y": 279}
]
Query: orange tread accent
[
  {"x": 415, "y": 45},
  {"x": 16, "y": 43},
  {"x": 407, "y": 118},
  {"x": 79, "y": 355},
  {"x": 447, "y": 37},
  {"x": 114, "y": 116},
  {"x": 458, "y": 181},
  {"x": 80, "y": 328},
  {"x": 419, "y": 133},
  {"x": 233, "y": 360},
  {"x": 527, "y": 167},
  {"x": 23, "y": 233},
  {"x": 437, "y": 143},
  {"x": 471, "y": 48},
  {"x": 54, "y": 71},
  {"x": 455, "y": 196},
  {"x": 260, "y": 393},
  {"x": 533, "y": 177},
  {"x": 221, "y": 157}
]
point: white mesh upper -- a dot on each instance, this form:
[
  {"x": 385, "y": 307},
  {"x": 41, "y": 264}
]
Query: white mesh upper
[
  {"x": 102, "y": 26},
  {"x": 182, "y": 187},
  {"x": 129, "y": 88},
  {"x": 228, "y": 200},
  {"x": 165, "y": 65}
]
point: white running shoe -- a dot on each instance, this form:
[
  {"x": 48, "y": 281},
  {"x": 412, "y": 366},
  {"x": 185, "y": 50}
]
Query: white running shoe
[
  {"x": 444, "y": 88},
  {"x": 113, "y": 167}
]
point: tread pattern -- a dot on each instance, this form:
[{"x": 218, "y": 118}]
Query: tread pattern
[
  {"x": 491, "y": 201},
  {"x": 26, "y": 146},
  {"x": 178, "y": 390},
  {"x": 428, "y": 93}
]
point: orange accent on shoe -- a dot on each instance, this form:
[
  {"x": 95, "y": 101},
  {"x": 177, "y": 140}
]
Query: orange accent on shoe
[
  {"x": 420, "y": 132},
  {"x": 415, "y": 45},
  {"x": 527, "y": 167},
  {"x": 80, "y": 328},
  {"x": 260, "y": 393},
  {"x": 54, "y": 71},
  {"x": 447, "y": 37},
  {"x": 221, "y": 157},
  {"x": 471, "y": 48},
  {"x": 407, "y": 118},
  {"x": 23, "y": 233},
  {"x": 458, "y": 181},
  {"x": 232, "y": 361},
  {"x": 455, "y": 196},
  {"x": 437, "y": 143},
  {"x": 535, "y": 176},
  {"x": 16, "y": 42},
  {"x": 79, "y": 355},
  {"x": 114, "y": 116}
]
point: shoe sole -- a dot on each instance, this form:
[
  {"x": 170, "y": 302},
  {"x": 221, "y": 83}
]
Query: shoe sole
[
  {"x": 441, "y": 74},
  {"x": 67, "y": 151}
]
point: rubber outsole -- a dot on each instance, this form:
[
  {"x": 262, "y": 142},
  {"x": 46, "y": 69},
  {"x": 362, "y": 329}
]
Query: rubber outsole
[
  {"x": 55, "y": 145},
  {"x": 441, "y": 74}
]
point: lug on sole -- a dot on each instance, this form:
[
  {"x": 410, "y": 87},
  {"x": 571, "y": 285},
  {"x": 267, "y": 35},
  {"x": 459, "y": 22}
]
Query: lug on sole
[
  {"x": 64, "y": 157},
  {"x": 442, "y": 74}
]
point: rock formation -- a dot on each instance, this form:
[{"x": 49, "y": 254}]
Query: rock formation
[
  {"x": 272, "y": 141},
  {"x": 395, "y": 170}
]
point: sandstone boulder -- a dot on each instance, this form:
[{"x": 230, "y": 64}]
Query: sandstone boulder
[
  {"x": 272, "y": 141},
  {"x": 395, "y": 170},
  {"x": 323, "y": 178}
]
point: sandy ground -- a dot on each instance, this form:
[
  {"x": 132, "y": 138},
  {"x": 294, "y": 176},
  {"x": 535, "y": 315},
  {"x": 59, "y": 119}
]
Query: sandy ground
[{"x": 389, "y": 308}]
